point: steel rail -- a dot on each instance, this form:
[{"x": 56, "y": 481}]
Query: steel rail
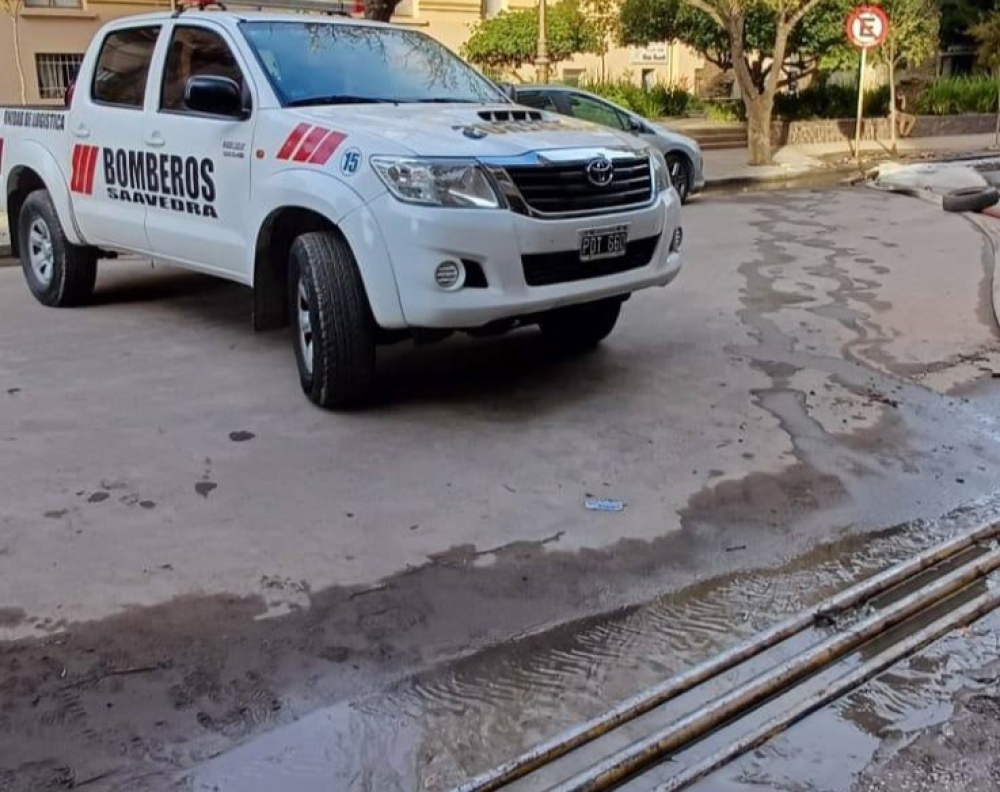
[
  {"x": 651, "y": 698},
  {"x": 638, "y": 755},
  {"x": 839, "y": 687}
]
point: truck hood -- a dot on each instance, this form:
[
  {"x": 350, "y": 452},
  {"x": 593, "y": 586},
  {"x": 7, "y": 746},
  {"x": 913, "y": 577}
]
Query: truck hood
[{"x": 467, "y": 130}]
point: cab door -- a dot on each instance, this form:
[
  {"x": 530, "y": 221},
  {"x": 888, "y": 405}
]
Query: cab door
[
  {"x": 205, "y": 158},
  {"x": 106, "y": 127}
]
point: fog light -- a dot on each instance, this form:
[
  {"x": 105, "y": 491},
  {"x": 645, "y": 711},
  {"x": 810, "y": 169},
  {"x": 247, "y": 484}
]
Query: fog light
[
  {"x": 449, "y": 275},
  {"x": 676, "y": 240}
]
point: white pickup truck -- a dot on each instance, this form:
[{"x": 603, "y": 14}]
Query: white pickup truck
[{"x": 365, "y": 182}]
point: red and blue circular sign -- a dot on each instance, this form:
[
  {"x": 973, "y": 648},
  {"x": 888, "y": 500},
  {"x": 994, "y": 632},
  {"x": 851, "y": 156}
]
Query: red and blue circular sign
[{"x": 867, "y": 26}]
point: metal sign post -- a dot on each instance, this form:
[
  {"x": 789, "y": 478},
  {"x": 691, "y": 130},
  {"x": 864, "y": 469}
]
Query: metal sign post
[{"x": 867, "y": 27}]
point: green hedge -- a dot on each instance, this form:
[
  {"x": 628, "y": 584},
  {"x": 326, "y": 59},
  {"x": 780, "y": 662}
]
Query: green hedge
[
  {"x": 943, "y": 96},
  {"x": 660, "y": 101},
  {"x": 830, "y": 101},
  {"x": 952, "y": 95}
]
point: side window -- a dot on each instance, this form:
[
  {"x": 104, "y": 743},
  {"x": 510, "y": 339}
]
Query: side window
[
  {"x": 195, "y": 52},
  {"x": 123, "y": 67},
  {"x": 538, "y": 100},
  {"x": 588, "y": 109}
]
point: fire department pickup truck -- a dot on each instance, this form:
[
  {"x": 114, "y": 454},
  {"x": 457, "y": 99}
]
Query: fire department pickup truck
[{"x": 367, "y": 184}]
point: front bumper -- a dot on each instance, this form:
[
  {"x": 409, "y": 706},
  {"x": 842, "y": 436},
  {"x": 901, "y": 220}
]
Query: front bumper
[{"x": 418, "y": 239}]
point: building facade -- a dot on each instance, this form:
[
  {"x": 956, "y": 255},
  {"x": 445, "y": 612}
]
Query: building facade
[{"x": 52, "y": 36}]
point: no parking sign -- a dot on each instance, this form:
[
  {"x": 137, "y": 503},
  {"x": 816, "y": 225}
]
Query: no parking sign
[{"x": 867, "y": 27}]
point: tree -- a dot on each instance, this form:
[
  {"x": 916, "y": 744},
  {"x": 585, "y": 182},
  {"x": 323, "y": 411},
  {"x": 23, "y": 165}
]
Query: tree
[
  {"x": 13, "y": 8},
  {"x": 747, "y": 36},
  {"x": 987, "y": 36},
  {"x": 914, "y": 28},
  {"x": 510, "y": 39},
  {"x": 604, "y": 15}
]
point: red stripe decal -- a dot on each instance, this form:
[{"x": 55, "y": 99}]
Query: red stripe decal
[
  {"x": 292, "y": 141},
  {"x": 309, "y": 145},
  {"x": 74, "y": 182},
  {"x": 325, "y": 149},
  {"x": 88, "y": 184}
]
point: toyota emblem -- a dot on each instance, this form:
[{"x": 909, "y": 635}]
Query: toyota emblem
[{"x": 600, "y": 172}]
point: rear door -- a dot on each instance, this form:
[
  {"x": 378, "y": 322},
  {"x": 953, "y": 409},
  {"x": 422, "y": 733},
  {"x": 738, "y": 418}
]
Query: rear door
[
  {"x": 201, "y": 221},
  {"x": 109, "y": 172}
]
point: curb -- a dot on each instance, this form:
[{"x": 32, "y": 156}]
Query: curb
[
  {"x": 748, "y": 183},
  {"x": 991, "y": 232}
]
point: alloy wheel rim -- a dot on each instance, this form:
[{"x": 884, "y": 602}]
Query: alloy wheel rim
[
  {"x": 41, "y": 255},
  {"x": 304, "y": 315}
]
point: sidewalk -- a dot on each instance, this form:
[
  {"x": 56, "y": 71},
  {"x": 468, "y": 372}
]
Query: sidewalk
[{"x": 728, "y": 167}]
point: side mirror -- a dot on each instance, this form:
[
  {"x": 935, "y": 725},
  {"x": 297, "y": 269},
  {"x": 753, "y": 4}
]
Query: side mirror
[
  {"x": 218, "y": 96},
  {"x": 635, "y": 125},
  {"x": 509, "y": 90}
]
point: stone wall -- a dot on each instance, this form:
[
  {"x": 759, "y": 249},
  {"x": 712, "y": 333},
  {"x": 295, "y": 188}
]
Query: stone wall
[{"x": 796, "y": 133}]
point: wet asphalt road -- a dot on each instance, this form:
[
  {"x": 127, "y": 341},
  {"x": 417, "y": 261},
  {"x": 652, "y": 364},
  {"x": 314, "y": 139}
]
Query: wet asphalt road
[{"x": 191, "y": 555}]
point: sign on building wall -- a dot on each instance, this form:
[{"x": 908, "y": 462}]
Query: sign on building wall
[{"x": 653, "y": 54}]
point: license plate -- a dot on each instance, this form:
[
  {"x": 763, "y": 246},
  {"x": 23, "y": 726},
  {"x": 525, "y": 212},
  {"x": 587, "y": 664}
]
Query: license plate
[{"x": 603, "y": 243}]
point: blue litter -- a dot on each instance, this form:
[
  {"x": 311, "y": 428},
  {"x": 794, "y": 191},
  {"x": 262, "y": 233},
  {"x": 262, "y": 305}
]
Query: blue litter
[{"x": 593, "y": 504}]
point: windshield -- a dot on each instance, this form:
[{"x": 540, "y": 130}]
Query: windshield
[{"x": 328, "y": 63}]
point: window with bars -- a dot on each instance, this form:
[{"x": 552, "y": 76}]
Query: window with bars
[
  {"x": 53, "y": 3},
  {"x": 56, "y": 72}
]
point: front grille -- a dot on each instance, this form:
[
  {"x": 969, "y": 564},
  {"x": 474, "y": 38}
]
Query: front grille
[
  {"x": 544, "y": 269},
  {"x": 565, "y": 188}
]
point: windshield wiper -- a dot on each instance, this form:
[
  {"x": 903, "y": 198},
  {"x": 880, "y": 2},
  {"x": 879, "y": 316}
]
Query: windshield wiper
[
  {"x": 443, "y": 100},
  {"x": 338, "y": 99}
]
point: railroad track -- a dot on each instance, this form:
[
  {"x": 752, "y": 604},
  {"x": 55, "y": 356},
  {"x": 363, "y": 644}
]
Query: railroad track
[{"x": 713, "y": 713}]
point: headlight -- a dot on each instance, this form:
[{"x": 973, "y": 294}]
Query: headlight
[
  {"x": 442, "y": 182},
  {"x": 661, "y": 173}
]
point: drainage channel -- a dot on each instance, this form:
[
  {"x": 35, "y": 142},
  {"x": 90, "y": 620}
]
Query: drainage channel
[{"x": 734, "y": 702}]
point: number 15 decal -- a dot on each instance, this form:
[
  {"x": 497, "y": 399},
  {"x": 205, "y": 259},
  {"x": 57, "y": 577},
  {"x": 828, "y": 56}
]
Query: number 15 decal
[{"x": 350, "y": 162}]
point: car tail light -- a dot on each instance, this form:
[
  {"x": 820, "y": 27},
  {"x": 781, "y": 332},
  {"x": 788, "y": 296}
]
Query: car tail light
[{"x": 70, "y": 90}]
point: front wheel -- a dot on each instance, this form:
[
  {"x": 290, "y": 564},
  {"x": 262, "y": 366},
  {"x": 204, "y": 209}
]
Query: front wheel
[
  {"x": 680, "y": 175},
  {"x": 581, "y": 327},
  {"x": 333, "y": 331},
  {"x": 59, "y": 273}
]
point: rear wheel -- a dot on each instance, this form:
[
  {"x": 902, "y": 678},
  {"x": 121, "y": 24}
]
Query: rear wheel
[
  {"x": 332, "y": 327},
  {"x": 59, "y": 273},
  {"x": 581, "y": 327},
  {"x": 680, "y": 175}
]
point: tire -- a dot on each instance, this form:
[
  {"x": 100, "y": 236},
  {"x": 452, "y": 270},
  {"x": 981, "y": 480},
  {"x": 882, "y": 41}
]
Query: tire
[
  {"x": 970, "y": 199},
  {"x": 59, "y": 273},
  {"x": 680, "y": 175},
  {"x": 581, "y": 327},
  {"x": 333, "y": 331}
]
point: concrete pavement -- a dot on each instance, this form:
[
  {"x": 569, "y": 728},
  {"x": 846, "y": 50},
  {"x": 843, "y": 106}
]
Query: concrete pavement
[{"x": 171, "y": 504}]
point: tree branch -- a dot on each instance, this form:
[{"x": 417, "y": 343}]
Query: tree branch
[
  {"x": 804, "y": 9},
  {"x": 710, "y": 9}
]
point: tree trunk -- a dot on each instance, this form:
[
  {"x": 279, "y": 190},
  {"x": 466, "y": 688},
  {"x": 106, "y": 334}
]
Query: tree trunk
[
  {"x": 996, "y": 133},
  {"x": 15, "y": 12},
  {"x": 892, "y": 94},
  {"x": 758, "y": 130},
  {"x": 380, "y": 10}
]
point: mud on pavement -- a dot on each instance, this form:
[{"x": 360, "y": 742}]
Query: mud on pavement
[{"x": 254, "y": 560}]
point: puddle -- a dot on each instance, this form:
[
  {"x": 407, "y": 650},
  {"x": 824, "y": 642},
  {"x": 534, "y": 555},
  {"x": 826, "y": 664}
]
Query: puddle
[{"x": 437, "y": 730}]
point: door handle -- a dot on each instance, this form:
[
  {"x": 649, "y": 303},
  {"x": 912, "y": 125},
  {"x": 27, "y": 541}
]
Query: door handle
[
  {"x": 155, "y": 140},
  {"x": 81, "y": 131}
]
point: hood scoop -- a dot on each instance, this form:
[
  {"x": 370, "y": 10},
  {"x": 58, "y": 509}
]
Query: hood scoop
[{"x": 501, "y": 116}]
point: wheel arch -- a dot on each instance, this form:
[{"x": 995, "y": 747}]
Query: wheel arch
[
  {"x": 358, "y": 229},
  {"x": 38, "y": 170},
  {"x": 270, "y": 268}
]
